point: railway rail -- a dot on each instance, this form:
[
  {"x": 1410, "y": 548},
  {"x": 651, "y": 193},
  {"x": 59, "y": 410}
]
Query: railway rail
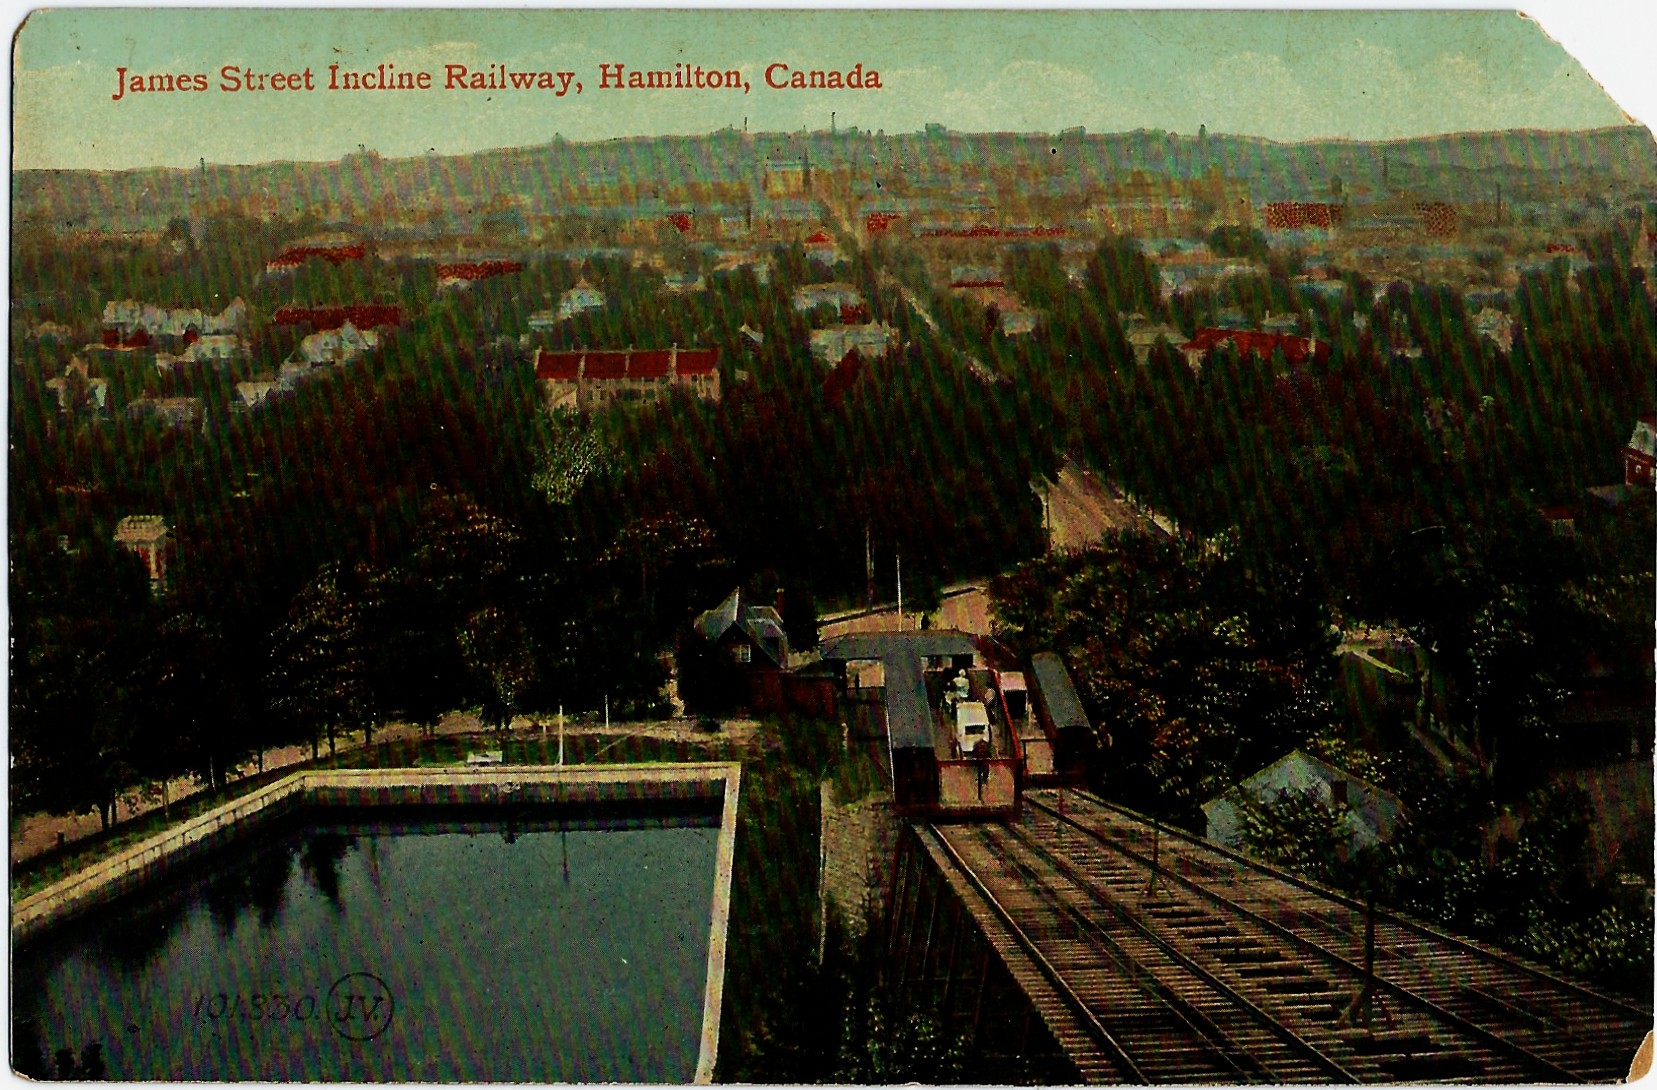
[{"x": 1187, "y": 963}]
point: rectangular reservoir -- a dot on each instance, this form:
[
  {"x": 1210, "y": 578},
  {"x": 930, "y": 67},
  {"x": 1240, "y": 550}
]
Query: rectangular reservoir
[{"x": 573, "y": 941}]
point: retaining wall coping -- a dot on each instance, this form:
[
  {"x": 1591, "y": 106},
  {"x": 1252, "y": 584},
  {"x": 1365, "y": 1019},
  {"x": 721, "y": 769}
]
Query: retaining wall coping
[
  {"x": 99, "y": 879},
  {"x": 109, "y": 876}
]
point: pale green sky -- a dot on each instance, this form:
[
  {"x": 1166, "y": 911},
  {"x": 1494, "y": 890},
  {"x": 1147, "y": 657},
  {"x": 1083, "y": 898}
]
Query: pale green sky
[{"x": 1284, "y": 75}]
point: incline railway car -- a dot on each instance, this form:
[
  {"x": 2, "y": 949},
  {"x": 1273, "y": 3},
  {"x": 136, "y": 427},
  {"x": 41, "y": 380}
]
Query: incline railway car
[
  {"x": 1076, "y": 742},
  {"x": 952, "y": 751},
  {"x": 1033, "y": 742}
]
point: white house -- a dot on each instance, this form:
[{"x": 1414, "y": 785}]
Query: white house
[
  {"x": 683, "y": 283},
  {"x": 837, "y": 295},
  {"x": 579, "y": 299},
  {"x": 129, "y": 314},
  {"x": 869, "y": 341},
  {"x": 148, "y": 536},
  {"x": 76, "y": 380},
  {"x": 216, "y": 348},
  {"x": 340, "y": 345},
  {"x": 252, "y": 394}
]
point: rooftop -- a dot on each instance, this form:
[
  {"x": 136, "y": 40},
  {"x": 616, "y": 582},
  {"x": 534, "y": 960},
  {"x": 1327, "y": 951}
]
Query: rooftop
[
  {"x": 909, "y": 719},
  {"x": 140, "y": 529},
  {"x": 1058, "y": 695},
  {"x": 613, "y": 364}
]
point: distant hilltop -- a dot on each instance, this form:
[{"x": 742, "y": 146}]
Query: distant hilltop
[{"x": 729, "y": 164}]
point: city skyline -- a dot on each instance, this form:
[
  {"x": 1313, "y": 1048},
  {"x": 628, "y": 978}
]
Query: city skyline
[{"x": 1395, "y": 75}]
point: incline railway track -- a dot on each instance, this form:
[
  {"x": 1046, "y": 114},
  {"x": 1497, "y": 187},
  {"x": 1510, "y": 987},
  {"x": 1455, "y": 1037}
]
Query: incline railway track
[{"x": 1188, "y": 963}]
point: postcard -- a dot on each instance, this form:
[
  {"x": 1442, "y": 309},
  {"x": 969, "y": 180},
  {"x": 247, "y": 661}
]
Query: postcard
[{"x": 867, "y": 547}]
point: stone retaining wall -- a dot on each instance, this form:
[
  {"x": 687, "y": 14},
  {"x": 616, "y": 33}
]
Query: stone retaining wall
[
  {"x": 537, "y": 784},
  {"x": 858, "y": 846}
]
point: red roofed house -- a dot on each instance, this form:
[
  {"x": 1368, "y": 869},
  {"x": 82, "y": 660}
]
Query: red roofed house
[
  {"x": 1248, "y": 342},
  {"x": 820, "y": 248},
  {"x": 139, "y": 338},
  {"x": 1299, "y": 215},
  {"x": 1640, "y": 455},
  {"x": 1437, "y": 218},
  {"x": 460, "y": 274},
  {"x": 295, "y": 256},
  {"x": 586, "y": 379}
]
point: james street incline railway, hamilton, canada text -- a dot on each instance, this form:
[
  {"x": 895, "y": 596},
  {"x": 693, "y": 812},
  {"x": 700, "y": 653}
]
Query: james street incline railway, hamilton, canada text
[{"x": 386, "y": 76}]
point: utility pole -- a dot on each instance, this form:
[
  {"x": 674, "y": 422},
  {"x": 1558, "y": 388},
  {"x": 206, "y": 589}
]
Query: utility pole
[
  {"x": 869, "y": 564},
  {"x": 1360, "y": 1010},
  {"x": 900, "y": 590},
  {"x": 1047, "y": 515},
  {"x": 1156, "y": 859}
]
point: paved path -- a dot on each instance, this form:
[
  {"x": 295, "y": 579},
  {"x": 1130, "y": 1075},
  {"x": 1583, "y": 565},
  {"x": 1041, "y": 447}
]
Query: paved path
[
  {"x": 965, "y": 608},
  {"x": 32, "y": 834},
  {"x": 1082, "y": 508}
]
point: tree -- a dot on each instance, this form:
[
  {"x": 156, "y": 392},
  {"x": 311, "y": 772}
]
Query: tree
[
  {"x": 80, "y": 622},
  {"x": 73, "y": 738},
  {"x": 1203, "y": 670},
  {"x": 318, "y": 677},
  {"x": 415, "y": 668},
  {"x": 678, "y": 562},
  {"x": 191, "y": 716},
  {"x": 1501, "y": 628},
  {"x": 1239, "y": 240},
  {"x": 464, "y": 555},
  {"x": 1299, "y": 833},
  {"x": 566, "y": 455},
  {"x": 501, "y": 661},
  {"x": 843, "y": 1020},
  {"x": 799, "y": 615},
  {"x": 710, "y": 682}
]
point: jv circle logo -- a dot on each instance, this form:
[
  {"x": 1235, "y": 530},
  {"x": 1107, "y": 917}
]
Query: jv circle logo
[{"x": 360, "y": 1006}]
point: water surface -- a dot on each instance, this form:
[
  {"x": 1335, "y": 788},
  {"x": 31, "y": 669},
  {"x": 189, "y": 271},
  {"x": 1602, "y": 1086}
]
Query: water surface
[{"x": 413, "y": 951}]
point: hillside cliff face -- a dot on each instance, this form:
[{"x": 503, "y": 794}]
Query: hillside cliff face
[{"x": 546, "y": 178}]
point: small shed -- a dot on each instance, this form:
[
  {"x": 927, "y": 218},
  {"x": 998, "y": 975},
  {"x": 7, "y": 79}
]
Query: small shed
[{"x": 1368, "y": 814}]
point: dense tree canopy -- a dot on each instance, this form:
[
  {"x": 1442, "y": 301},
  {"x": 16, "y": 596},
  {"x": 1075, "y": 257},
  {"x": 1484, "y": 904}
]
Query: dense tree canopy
[{"x": 1200, "y": 669}]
